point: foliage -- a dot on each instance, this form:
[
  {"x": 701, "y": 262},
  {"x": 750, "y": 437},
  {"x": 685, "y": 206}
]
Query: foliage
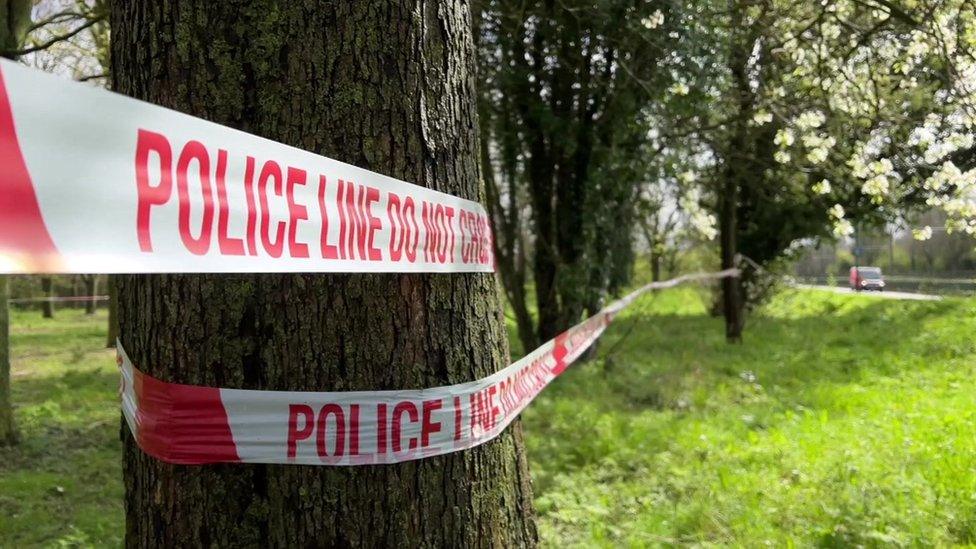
[
  {"x": 563, "y": 86},
  {"x": 805, "y": 117}
]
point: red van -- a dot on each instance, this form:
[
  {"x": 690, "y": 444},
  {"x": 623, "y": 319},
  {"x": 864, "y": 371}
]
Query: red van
[{"x": 866, "y": 278}]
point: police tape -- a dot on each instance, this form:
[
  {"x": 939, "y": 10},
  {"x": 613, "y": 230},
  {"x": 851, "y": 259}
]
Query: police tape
[
  {"x": 186, "y": 424},
  {"x": 57, "y": 299},
  {"x": 96, "y": 182}
]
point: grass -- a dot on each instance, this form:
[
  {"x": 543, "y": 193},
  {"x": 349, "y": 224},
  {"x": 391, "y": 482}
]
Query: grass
[
  {"x": 841, "y": 421},
  {"x": 62, "y": 485}
]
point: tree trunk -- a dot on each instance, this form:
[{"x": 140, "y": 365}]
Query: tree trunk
[
  {"x": 113, "y": 308},
  {"x": 77, "y": 291},
  {"x": 15, "y": 19},
  {"x": 91, "y": 288},
  {"x": 7, "y": 433},
  {"x": 384, "y": 85},
  {"x": 655, "y": 265},
  {"x": 47, "y": 306},
  {"x": 736, "y": 173},
  {"x": 523, "y": 319},
  {"x": 732, "y": 304},
  {"x": 507, "y": 242}
]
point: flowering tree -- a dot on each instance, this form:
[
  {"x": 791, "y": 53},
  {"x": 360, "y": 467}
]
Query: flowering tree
[{"x": 814, "y": 114}]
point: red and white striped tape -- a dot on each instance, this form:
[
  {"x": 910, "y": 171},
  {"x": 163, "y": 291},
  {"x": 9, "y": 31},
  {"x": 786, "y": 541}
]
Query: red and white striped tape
[
  {"x": 96, "y": 182},
  {"x": 193, "y": 425},
  {"x": 59, "y": 299}
]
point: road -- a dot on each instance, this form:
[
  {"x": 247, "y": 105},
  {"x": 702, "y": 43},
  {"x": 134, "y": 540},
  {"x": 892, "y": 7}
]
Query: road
[{"x": 885, "y": 295}]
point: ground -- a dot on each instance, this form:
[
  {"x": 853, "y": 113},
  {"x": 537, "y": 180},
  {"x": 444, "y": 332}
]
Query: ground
[
  {"x": 62, "y": 485},
  {"x": 841, "y": 420}
]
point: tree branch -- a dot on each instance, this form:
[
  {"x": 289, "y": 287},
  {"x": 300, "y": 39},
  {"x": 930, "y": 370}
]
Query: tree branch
[
  {"x": 94, "y": 76},
  {"x": 52, "y": 41}
]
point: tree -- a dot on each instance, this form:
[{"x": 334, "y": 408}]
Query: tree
[
  {"x": 90, "y": 282},
  {"x": 47, "y": 289},
  {"x": 8, "y": 433},
  {"x": 806, "y": 112},
  {"x": 14, "y": 22},
  {"x": 563, "y": 87},
  {"x": 669, "y": 216},
  {"x": 113, "y": 312},
  {"x": 388, "y": 86}
]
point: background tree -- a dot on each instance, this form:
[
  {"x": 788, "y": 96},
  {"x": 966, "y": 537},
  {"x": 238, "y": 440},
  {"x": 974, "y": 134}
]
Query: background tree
[
  {"x": 670, "y": 219},
  {"x": 47, "y": 293},
  {"x": 113, "y": 313},
  {"x": 563, "y": 85},
  {"x": 90, "y": 284},
  {"x": 388, "y": 86},
  {"x": 8, "y": 433},
  {"x": 14, "y": 24},
  {"x": 794, "y": 105},
  {"x": 30, "y": 32}
]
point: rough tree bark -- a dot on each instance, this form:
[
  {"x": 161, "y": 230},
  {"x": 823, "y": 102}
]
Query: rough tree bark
[{"x": 387, "y": 85}]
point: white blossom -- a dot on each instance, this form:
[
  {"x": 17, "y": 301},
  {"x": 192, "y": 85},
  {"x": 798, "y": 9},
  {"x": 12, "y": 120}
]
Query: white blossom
[
  {"x": 831, "y": 31},
  {"x": 924, "y": 233},
  {"x": 822, "y": 187},
  {"x": 843, "y": 227},
  {"x": 818, "y": 155},
  {"x": 784, "y": 137},
  {"x": 762, "y": 117},
  {"x": 687, "y": 176},
  {"x": 700, "y": 220},
  {"x": 705, "y": 223},
  {"x": 810, "y": 119},
  {"x": 877, "y": 188},
  {"x": 654, "y": 21},
  {"x": 679, "y": 88}
]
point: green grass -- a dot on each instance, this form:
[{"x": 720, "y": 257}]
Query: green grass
[
  {"x": 841, "y": 421},
  {"x": 62, "y": 485}
]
